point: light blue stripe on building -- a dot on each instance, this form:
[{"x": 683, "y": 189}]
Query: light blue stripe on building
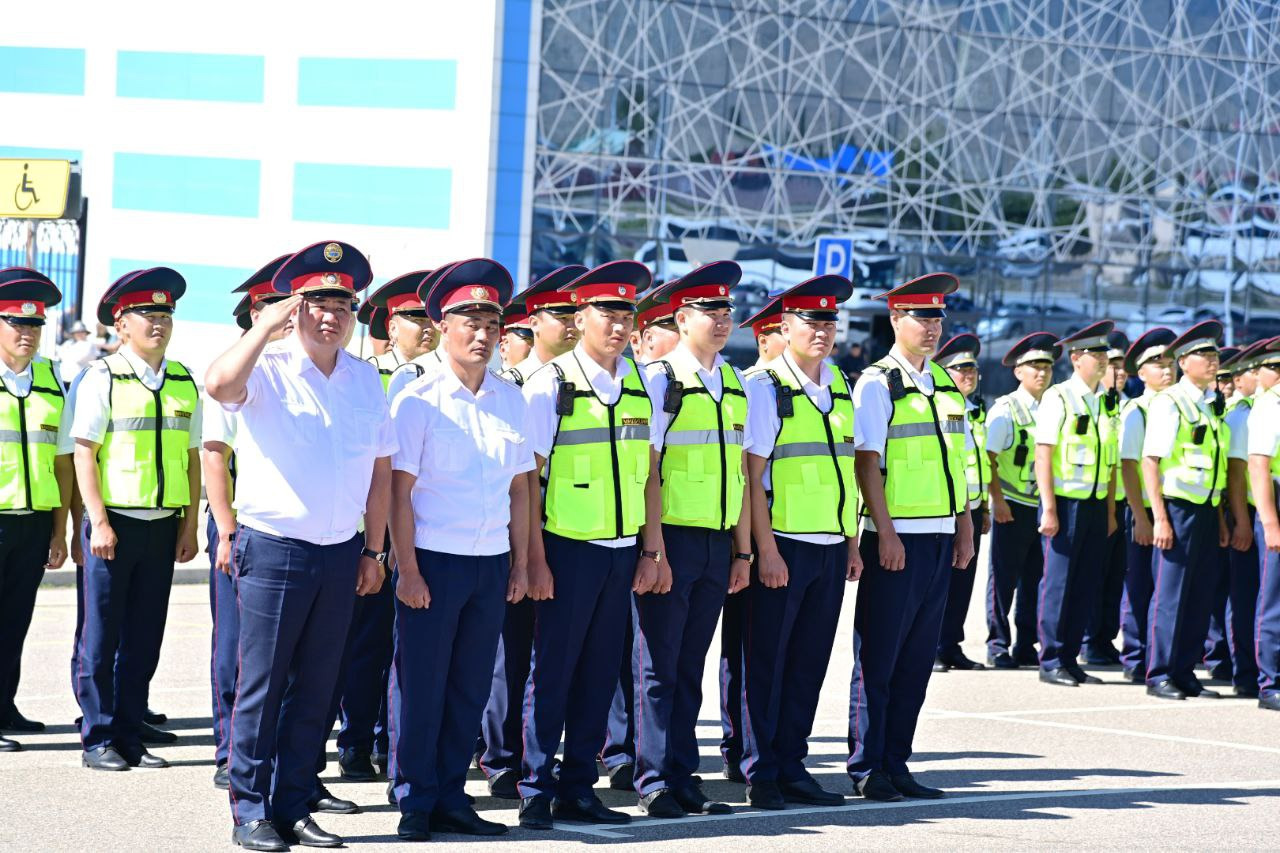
[
  {"x": 189, "y": 76},
  {"x": 509, "y": 171},
  {"x": 19, "y": 151},
  {"x": 214, "y": 186},
  {"x": 41, "y": 70},
  {"x": 208, "y": 298},
  {"x": 410, "y": 84},
  {"x": 372, "y": 195}
]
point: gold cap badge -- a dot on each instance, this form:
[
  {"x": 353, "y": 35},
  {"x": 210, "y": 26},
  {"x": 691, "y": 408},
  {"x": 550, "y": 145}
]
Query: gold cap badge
[
  {"x": 333, "y": 253},
  {"x": 479, "y": 293},
  {"x": 28, "y": 308},
  {"x": 159, "y": 297}
]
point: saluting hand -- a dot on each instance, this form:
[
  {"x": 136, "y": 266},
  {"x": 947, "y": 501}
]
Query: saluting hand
[
  {"x": 274, "y": 317},
  {"x": 102, "y": 540},
  {"x": 369, "y": 577},
  {"x": 57, "y": 552},
  {"x": 412, "y": 590}
]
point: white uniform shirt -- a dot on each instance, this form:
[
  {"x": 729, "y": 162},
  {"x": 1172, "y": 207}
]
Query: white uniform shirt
[
  {"x": 1163, "y": 419},
  {"x": 1053, "y": 410},
  {"x": 873, "y": 408},
  {"x": 92, "y": 413},
  {"x": 74, "y": 356},
  {"x": 306, "y": 444},
  {"x": 19, "y": 385},
  {"x": 529, "y": 366},
  {"x": 540, "y": 393},
  {"x": 218, "y": 424},
  {"x": 1133, "y": 429},
  {"x": 1001, "y": 432},
  {"x": 1264, "y": 424},
  {"x": 656, "y": 380},
  {"x": 464, "y": 449},
  {"x": 406, "y": 373},
  {"x": 1238, "y": 421}
]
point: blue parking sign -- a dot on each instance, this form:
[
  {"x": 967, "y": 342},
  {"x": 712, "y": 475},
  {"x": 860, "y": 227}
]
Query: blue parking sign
[{"x": 833, "y": 256}]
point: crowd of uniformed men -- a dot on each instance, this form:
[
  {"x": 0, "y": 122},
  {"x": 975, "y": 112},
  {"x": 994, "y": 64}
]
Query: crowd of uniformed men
[{"x": 459, "y": 565}]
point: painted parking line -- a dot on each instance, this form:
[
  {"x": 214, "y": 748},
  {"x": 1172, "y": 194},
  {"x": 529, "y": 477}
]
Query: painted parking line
[{"x": 1153, "y": 705}]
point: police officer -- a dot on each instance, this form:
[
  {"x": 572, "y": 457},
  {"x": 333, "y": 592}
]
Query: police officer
[
  {"x": 517, "y": 337},
  {"x": 803, "y": 498},
  {"x": 429, "y": 360},
  {"x": 1264, "y": 479},
  {"x": 1185, "y": 474},
  {"x": 1217, "y": 649},
  {"x": 959, "y": 357},
  {"x": 1104, "y": 619},
  {"x": 460, "y": 526},
  {"x": 313, "y": 444},
  {"x": 912, "y": 440},
  {"x": 137, "y": 430},
  {"x": 589, "y": 425},
  {"x": 217, "y": 462},
  {"x": 655, "y": 332},
  {"x": 766, "y": 327},
  {"x": 699, "y": 433},
  {"x": 1149, "y": 360},
  {"x": 551, "y": 310},
  {"x": 35, "y": 482},
  {"x": 1075, "y": 457},
  {"x": 410, "y": 331},
  {"x": 1017, "y": 560}
]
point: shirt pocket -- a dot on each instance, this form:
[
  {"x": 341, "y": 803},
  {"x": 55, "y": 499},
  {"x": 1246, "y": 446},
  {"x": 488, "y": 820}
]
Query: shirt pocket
[
  {"x": 365, "y": 425},
  {"x": 506, "y": 447},
  {"x": 449, "y": 449},
  {"x": 303, "y": 421}
]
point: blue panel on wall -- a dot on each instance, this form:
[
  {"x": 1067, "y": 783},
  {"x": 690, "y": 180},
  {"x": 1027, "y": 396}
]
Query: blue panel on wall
[
  {"x": 208, "y": 298},
  {"x": 42, "y": 70},
  {"x": 372, "y": 195},
  {"x": 424, "y": 84},
  {"x": 189, "y": 76},
  {"x": 215, "y": 186}
]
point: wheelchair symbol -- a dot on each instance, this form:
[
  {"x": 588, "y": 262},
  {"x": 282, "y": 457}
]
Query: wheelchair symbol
[{"x": 20, "y": 192}]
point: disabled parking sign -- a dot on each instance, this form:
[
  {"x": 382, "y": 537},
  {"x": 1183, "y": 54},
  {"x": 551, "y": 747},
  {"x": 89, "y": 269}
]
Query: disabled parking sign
[{"x": 34, "y": 189}]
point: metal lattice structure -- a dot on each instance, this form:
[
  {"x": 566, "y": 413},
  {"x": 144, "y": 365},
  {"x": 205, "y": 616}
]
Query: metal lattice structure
[{"x": 1128, "y": 145}]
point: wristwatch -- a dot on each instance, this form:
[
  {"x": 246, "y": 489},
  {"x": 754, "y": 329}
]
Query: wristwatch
[
  {"x": 750, "y": 558},
  {"x": 656, "y": 556},
  {"x": 379, "y": 557}
]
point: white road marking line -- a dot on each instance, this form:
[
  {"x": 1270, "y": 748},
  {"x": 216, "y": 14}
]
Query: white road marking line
[
  {"x": 645, "y": 823},
  {"x": 1154, "y": 705}
]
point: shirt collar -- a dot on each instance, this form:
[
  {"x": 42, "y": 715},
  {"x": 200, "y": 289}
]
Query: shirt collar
[
  {"x": 824, "y": 372},
  {"x": 301, "y": 362},
  {"x": 1025, "y": 398},
  {"x": 1195, "y": 393},
  {"x": 7, "y": 372},
  {"x": 596, "y": 374},
  {"x": 1078, "y": 386},
  {"x": 901, "y": 357},
  {"x": 683, "y": 356},
  {"x": 140, "y": 367},
  {"x": 530, "y": 364},
  {"x": 453, "y": 384}
]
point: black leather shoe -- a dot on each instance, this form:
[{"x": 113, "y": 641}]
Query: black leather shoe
[
  {"x": 622, "y": 777},
  {"x": 1003, "y": 660},
  {"x": 222, "y": 778},
  {"x": 257, "y": 835},
  {"x": 18, "y": 723},
  {"x": 1196, "y": 690},
  {"x": 152, "y": 736},
  {"x": 414, "y": 826},
  {"x": 503, "y": 785},
  {"x": 154, "y": 718},
  {"x": 765, "y": 795},
  {"x": 1248, "y": 691},
  {"x": 1081, "y": 676},
  {"x": 143, "y": 759},
  {"x": 958, "y": 660},
  {"x": 356, "y": 767},
  {"x": 104, "y": 758},
  {"x": 325, "y": 802},
  {"x": 908, "y": 787},
  {"x": 809, "y": 793},
  {"x": 1026, "y": 657},
  {"x": 588, "y": 810},
  {"x": 940, "y": 666},
  {"x": 7, "y": 745},
  {"x": 308, "y": 833},
  {"x": 465, "y": 821},
  {"x": 733, "y": 772},
  {"x": 876, "y": 786},
  {"x": 1165, "y": 689},
  {"x": 1059, "y": 676},
  {"x": 535, "y": 813},
  {"x": 694, "y": 801},
  {"x": 1269, "y": 701},
  {"x": 1136, "y": 674},
  {"x": 661, "y": 803}
]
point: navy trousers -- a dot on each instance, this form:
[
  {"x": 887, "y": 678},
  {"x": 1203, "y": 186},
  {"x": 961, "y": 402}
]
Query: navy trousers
[
  {"x": 1017, "y": 564},
  {"x": 1104, "y": 619},
  {"x": 1242, "y": 611},
  {"x": 895, "y": 632},
  {"x": 440, "y": 675},
  {"x": 24, "y": 549},
  {"x": 732, "y": 618},
  {"x": 366, "y": 666},
  {"x": 1185, "y": 577},
  {"x": 1217, "y": 647},
  {"x": 673, "y": 634},
  {"x": 577, "y": 647},
  {"x": 959, "y": 591},
  {"x": 1139, "y": 581},
  {"x": 620, "y": 731},
  {"x": 224, "y": 664},
  {"x": 789, "y": 635},
  {"x": 1266, "y": 630},
  {"x": 126, "y": 603},
  {"x": 502, "y": 724},
  {"x": 1072, "y": 572},
  {"x": 295, "y": 601}
]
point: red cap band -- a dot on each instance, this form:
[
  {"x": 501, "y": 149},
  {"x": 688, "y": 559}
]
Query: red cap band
[
  {"x": 322, "y": 281},
  {"x": 604, "y": 292},
  {"x": 404, "y": 302},
  {"x": 140, "y": 298},
  {"x": 21, "y": 308},
  {"x": 697, "y": 294},
  {"x": 549, "y": 299},
  {"x": 471, "y": 294},
  {"x": 261, "y": 291},
  {"x": 764, "y": 327},
  {"x": 809, "y": 303},
  {"x": 656, "y": 314},
  {"x": 917, "y": 300},
  {"x": 516, "y": 321}
]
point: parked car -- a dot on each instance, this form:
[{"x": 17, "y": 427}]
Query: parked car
[{"x": 1015, "y": 319}]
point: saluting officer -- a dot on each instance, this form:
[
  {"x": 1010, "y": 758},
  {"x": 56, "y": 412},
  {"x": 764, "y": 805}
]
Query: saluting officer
[
  {"x": 313, "y": 443},
  {"x": 1075, "y": 459},
  {"x": 551, "y": 311},
  {"x": 429, "y": 360},
  {"x": 1264, "y": 479},
  {"x": 1185, "y": 472},
  {"x": 1148, "y": 359},
  {"x": 218, "y": 467},
  {"x": 459, "y": 523},
  {"x": 804, "y": 504},
  {"x": 1017, "y": 560},
  {"x": 912, "y": 439},
  {"x": 766, "y": 326},
  {"x": 137, "y": 430},
  {"x": 589, "y": 426},
  {"x": 517, "y": 337},
  {"x": 35, "y": 482},
  {"x": 699, "y": 432},
  {"x": 410, "y": 331},
  {"x": 959, "y": 357}
]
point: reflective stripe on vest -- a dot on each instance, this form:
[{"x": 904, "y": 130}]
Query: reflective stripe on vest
[
  {"x": 28, "y": 442},
  {"x": 977, "y": 464},
  {"x": 143, "y": 460},
  {"x": 599, "y": 460},
  {"x": 1082, "y": 458},
  {"x": 811, "y": 474},
  {"x": 702, "y": 479},
  {"x": 1018, "y": 481},
  {"x": 1195, "y": 471}
]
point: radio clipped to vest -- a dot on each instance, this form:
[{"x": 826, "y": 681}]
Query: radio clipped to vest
[
  {"x": 674, "y": 394},
  {"x": 782, "y": 395},
  {"x": 897, "y": 388}
]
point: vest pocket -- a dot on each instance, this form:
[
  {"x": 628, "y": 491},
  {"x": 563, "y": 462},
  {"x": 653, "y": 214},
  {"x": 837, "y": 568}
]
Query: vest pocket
[
  {"x": 810, "y": 505},
  {"x": 579, "y": 500}
]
